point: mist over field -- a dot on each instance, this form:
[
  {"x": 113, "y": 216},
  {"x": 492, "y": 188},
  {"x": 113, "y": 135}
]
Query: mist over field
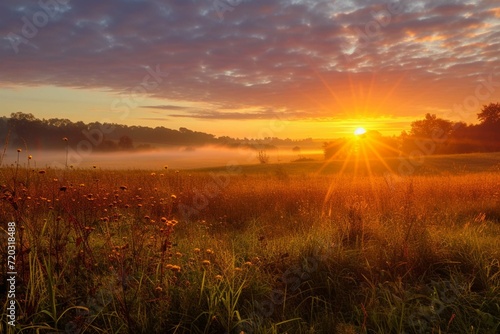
[{"x": 177, "y": 158}]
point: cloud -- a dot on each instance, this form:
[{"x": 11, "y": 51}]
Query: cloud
[
  {"x": 216, "y": 115},
  {"x": 316, "y": 58},
  {"x": 166, "y": 107}
]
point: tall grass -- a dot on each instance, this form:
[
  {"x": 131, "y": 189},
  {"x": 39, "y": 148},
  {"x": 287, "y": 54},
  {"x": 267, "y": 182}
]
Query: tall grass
[{"x": 113, "y": 252}]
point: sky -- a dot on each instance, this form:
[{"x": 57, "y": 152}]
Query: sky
[{"x": 250, "y": 68}]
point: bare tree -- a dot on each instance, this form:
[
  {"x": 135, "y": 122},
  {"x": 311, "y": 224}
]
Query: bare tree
[{"x": 263, "y": 157}]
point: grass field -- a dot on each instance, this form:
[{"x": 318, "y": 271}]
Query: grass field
[{"x": 290, "y": 248}]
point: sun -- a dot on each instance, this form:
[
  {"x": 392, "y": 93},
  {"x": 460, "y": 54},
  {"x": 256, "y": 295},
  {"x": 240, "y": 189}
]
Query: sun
[{"x": 359, "y": 131}]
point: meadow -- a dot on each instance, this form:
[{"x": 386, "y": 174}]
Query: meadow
[{"x": 279, "y": 248}]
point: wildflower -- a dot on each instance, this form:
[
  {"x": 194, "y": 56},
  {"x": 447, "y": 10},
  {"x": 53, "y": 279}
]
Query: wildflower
[
  {"x": 166, "y": 166},
  {"x": 65, "y": 139},
  {"x": 175, "y": 268},
  {"x": 173, "y": 196},
  {"x": 159, "y": 289},
  {"x": 248, "y": 264},
  {"x": 238, "y": 269},
  {"x": 30, "y": 157},
  {"x": 153, "y": 174},
  {"x": 196, "y": 250},
  {"x": 82, "y": 184},
  {"x": 123, "y": 187},
  {"x": 178, "y": 254},
  {"x": 19, "y": 150},
  {"x": 139, "y": 205},
  {"x": 209, "y": 251},
  {"x": 218, "y": 277},
  {"x": 163, "y": 219},
  {"x": 205, "y": 263}
]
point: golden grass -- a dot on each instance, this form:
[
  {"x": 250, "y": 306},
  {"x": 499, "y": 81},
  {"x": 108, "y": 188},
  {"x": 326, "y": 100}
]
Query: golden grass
[{"x": 198, "y": 252}]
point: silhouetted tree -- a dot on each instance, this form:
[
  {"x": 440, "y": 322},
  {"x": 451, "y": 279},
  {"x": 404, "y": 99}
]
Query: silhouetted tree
[
  {"x": 263, "y": 157},
  {"x": 431, "y": 126},
  {"x": 427, "y": 136},
  {"x": 490, "y": 114}
]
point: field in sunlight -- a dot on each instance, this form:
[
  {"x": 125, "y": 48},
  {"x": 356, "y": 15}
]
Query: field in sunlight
[{"x": 296, "y": 248}]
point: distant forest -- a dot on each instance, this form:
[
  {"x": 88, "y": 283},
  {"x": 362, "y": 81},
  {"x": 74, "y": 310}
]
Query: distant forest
[
  {"x": 431, "y": 135},
  {"x": 22, "y": 130}
]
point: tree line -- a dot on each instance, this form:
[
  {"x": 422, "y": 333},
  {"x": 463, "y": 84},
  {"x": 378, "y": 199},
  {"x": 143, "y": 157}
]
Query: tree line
[
  {"x": 26, "y": 130},
  {"x": 431, "y": 135}
]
